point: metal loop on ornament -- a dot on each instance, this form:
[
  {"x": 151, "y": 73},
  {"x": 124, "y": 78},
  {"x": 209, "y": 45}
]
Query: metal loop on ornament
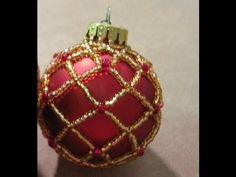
[{"x": 108, "y": 16}]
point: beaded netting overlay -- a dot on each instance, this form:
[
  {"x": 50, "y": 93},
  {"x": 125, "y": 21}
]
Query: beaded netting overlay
[{"x": 94, "y": 49}]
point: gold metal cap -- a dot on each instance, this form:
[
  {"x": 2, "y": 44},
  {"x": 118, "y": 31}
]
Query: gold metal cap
[{"x": 105, "y": 32}]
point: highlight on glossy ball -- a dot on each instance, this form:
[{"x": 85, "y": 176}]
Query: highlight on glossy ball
[{"x": 100, "y": 105}]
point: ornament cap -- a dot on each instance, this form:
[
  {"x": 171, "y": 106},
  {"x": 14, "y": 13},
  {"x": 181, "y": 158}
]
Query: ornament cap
[{"x": 105, "y": 32}]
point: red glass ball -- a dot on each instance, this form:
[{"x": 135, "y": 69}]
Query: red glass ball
[{"x": 99, "y": 129}]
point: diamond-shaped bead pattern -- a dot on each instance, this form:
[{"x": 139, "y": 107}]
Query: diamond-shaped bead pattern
[
  {"x": 58, "y": 79},
  {"x": 130, "y": 115},
  {"x": 97, "y": 127},
  {"x": 77, "y": 146},
  {"x": 100, "y": 91},
  {"x": 127, "y": 122},
  {"x": 68, "y": 104},
  {"x": 125, "y": 70}
]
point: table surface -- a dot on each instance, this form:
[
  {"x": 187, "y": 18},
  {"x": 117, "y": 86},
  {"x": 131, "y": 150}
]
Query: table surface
[{"x": 164, "y": 31}]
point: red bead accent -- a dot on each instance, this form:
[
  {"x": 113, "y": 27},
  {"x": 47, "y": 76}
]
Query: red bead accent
[
  {"x": 161, "y": 104},
  {"x": 65, "y": 56},
  {"x": 158, "y": 107},
  {"x": 101, "y": 107},
  {"x": 51, "y": 143},
  {"x": 145, "y": 67},
  {"x": 45, "y": 96},
  {"x": 140, "y": 151},
  {"x": 97, "y": 152},
  {"x": 105, "y": 62}
]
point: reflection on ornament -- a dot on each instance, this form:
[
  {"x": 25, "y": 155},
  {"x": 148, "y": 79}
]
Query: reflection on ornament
[{"x": 100, "y": 101}]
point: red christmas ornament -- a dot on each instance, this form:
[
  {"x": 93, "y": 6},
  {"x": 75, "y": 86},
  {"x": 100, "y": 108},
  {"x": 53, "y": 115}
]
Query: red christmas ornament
[{"x": 100, "y": 100}]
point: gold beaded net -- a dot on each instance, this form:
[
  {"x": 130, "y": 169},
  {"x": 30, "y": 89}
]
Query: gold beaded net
[{"x": 93, "y": 49}]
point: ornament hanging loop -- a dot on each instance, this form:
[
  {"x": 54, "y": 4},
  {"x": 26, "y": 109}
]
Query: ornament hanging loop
[{"x": 108, "y": 16}]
